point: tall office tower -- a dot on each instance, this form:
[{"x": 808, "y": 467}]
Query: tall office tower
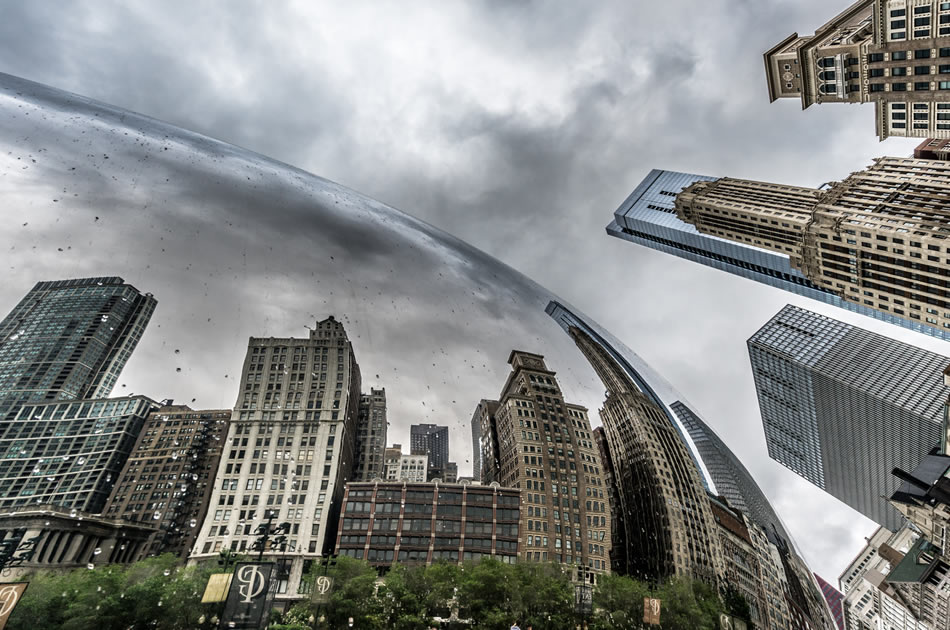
[
  {"x": 870, "y": 603},
  {"x": 618, "y": 542},
  {"x": 485, "y": 442},
  {"x": 371, "y": 436},
  {"x": 892, "y": 53},
  {"x": 733, "y": 480},
  {"x": 547, "y": 450},
  {"x": 183, "y": 446},
  {"x": 289, "y": 450},
  {"x": 648, "y": 217},
  {"x": 670, "y": 530},
  {"x": 68, "y": 339},
  {"x": 431, "y": 440},
  {"x": 69, "y": 453},
  {"x": 878, "y": 238},
  {"x": 834, "y": 598},
  {"x": 842, "y": 406}
]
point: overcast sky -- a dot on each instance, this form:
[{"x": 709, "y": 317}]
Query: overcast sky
[{"x": 519, "y": 127}]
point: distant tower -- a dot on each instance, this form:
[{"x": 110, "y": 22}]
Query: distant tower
[
  {"x": 69, "y": 339},
  {"x": 431, "y": 440},
  {"x": 842, "y": 406},
  {"x": 290, "y": 449}
]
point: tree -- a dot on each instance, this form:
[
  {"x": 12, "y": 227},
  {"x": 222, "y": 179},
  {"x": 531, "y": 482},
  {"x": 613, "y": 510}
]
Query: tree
[{"x": 618, "y": 603}]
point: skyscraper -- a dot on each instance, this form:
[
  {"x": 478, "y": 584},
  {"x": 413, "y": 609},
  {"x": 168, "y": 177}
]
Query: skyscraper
[
  {"x": 371, "y": 436},
  {"x": 69, "y": 453},
  {"x": 546, "y": 449},
  {"x": 431, "y": 440},
  {"x": 842, "y": 406},
  {"x": 894, "y": 54},
  {"x": 289, "y": 450},
  {"x": 809, "y": 241},
  {"x": 184, "y": 445},
  {"x": 877, "y": 238},
  {"x": 68, "y": 339}
]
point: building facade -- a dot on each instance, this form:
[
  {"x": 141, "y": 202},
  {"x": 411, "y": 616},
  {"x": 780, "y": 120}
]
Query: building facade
[
  {"x": 547, "y": 451},
  {"x": 869, "y": 602},
  {"x": 289, "y": 451},
  {"x": 68, "y": 339},
  {"x": 167, "y": 480},
  {"x": 422, "y": 523},
  {"x": 828, "y": 391},
  {"x": 50, "y": 538},
  {"x": 877, "y": 238},
  {"x": 893, "y": 53},
  {"x": 69, "y": 454},
  {"x": 402, "y": 467},
  {"x": 618, "y": 530},
  {"x": 370, "y": 453},
  {"x": 648, "y": 218}
]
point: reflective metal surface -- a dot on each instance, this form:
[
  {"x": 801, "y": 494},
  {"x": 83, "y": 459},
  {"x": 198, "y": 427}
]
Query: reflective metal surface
[{"x": 234, "y": 245}]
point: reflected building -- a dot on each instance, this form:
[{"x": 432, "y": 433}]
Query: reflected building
[
  {"x": 669, "y": 527},
  {"x": 289, "y": 450},
  {"x": 485, "y": 442},
  {"x": 653, "y": 410},
  {"x": 371, "y": 436},
  {"x": 546, "y": 450},
  {"x": 183, "y": 445},
  {"x": 69, "y": 339},
  {"x": 842, "y": 406},
  {"x": 732, "y": 479},
  {"x": 618, "y": 541}
]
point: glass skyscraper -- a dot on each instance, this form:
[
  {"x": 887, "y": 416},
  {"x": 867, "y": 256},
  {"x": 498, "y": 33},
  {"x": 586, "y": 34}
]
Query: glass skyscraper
[
  {"x": 648, "y": 217},
  {"x": 842, "y": 406},
  {"x": 69, "y": 339}
]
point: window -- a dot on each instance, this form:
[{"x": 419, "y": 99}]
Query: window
[
  {"x": 944, "y": 85},
  {"x": 898, "y": 55},
  {"x": 922, "y": 9},
  {"x": 879, "y": 87},
  {"x": 899, "y": 35},
  {"x": 899, "y": 72},
  {"x": 945, "y": 52},
  {"x": 922, "y": 21},
  {"x": 899, "y": 115},
  {"x": 898, "y": 23},
  {"x": 922, "y": 53},
  {"x": 898, "y": 12},
  {"x": 921, "y": 86},
  {"x": 877, "y": 72},
  {"x": 873, "y": 57},
  {"x": 898, "y": 87},
  {"x": 918, "y": 70},
  {"x": 944, "y": 69}
]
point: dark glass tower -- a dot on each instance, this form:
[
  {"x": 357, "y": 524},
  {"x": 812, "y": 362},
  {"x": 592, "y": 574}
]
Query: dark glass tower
[
  {"x": 842, "y": 406},
  {"x": 431, "y": 440},
  {"x": 69, "y": 339}
]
